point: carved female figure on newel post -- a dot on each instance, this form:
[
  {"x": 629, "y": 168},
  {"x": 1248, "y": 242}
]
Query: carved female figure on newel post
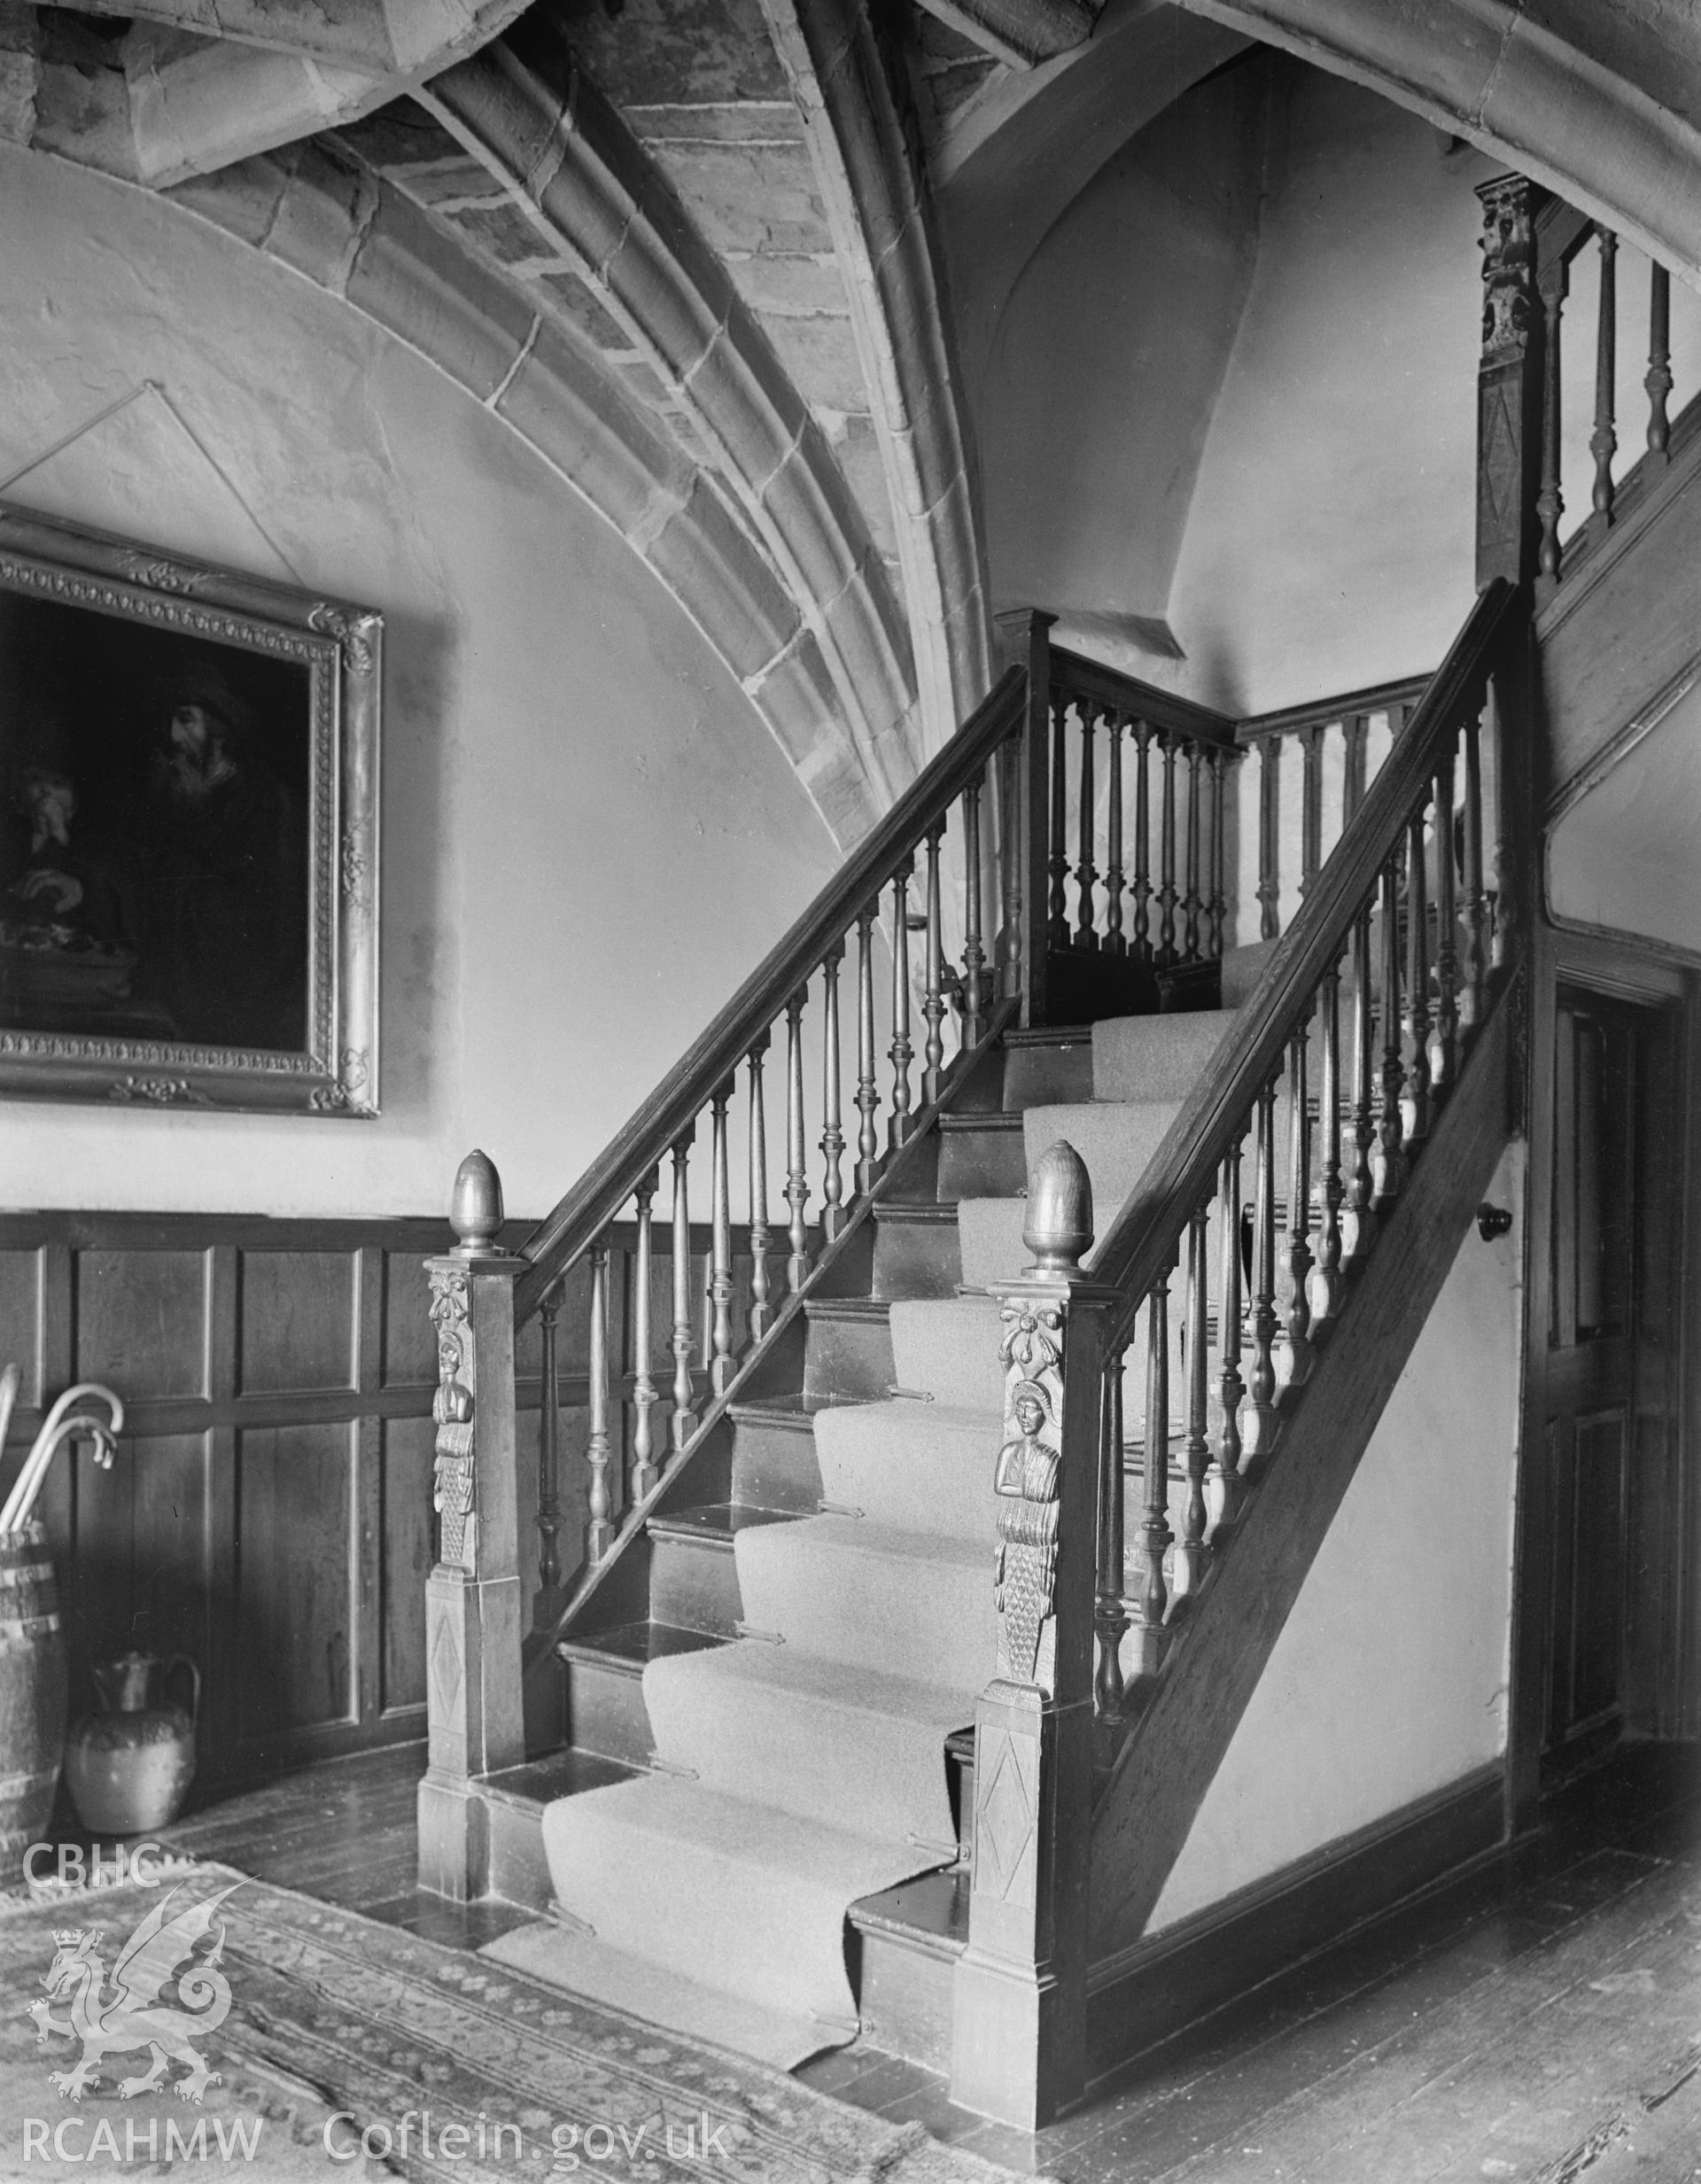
[{"x": 1027, "y": 1482}]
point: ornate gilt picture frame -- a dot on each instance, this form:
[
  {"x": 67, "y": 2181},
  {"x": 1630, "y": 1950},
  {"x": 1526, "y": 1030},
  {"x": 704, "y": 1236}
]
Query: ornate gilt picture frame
[{"x": 188, "y": 831}]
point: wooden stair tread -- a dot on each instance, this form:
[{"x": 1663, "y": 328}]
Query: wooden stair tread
[
  {"x": 1000, "y": 1118},
  {"x": 790, "y": 1413},
  {"x": 1052, "y": 1034},
  {"x": 928, "y": 1914},
  {"x": 872, "y": 1308},
  {"x": 557, "y": 1774},
  {"x": 925, "y": 1212},
  {"x": 627, "y": 1647},
  {"x": 715, "y": 1524}
]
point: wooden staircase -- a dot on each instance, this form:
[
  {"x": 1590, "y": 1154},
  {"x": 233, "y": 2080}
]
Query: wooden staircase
[{"x": 1366, "y": 1059}]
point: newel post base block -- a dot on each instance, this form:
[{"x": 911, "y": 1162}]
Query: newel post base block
[
  {"x": 1020, "y": 1989},
  {"x": 473, "y": 1606},
  {"x": 1019, "y": 2015}
]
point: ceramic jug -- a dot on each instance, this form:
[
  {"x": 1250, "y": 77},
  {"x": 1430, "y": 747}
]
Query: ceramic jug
[{"x": 129, "y": 1765}]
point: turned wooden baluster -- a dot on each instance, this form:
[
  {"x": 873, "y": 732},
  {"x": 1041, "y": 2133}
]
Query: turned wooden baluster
[
  {"x": 1358, "y": 1217},
  {"x": 1156, "y": 1537},
  {"x": 1444, "y": 1031},
  {"x": 1110, "y": 1609},
  {"x": 645, "y": 1470},
  {"x": 599, "y": 1531},
  {"x": 1474, "y": 969},
  {"x": 1323, "y": 1288},
  {"x": 1086, "y": 872},
  {"x": 1550, "y": 499},
  {"x": 1115, "y": 941},
  {"x": 1415, "y": 1107},
  {"x": 1142, "y": 948},
  {"x": 1658, "y": 381},
  {"x": 1219, "y": 895},
  {"x": 1010, "y": 840},
  {"x": 548, "y": 1458},
  {"x": 1270, "y": 886},
  {"x": 1225, "y": 1471},
  {"x": 1354, "y": 734},
  {"x": 761, "y": 1236},
  {"x": 1603, "y": 441},
  {"x": 1167, "y": 952},
  {"x": 1057, "y": 932},
  {"x": 973, "y": 953},
  {"x": 1503, "y": 895},
  {"x": 721, "y": 1241},
  {"x": 1258, "y": 1418},
  {"x": 684, "y": 1422},
  {"x": 867, "y": 1089},
  {"x": 1310, "y": 806},
  {"x": 1192, "y": 902},
  {"x": 1296, "y": 1358},
  {"x": 933, "y": 978},
  {"x": 1192, "y": 1554},
  {"x": 1388, "y": 1163},
  {"x": 901, "y": 1051},
  {"x": 833, "y": 1213},
  {"x": 796, "y": 1148}
]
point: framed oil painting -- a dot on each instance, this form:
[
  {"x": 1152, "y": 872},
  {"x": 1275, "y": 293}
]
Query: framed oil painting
[{"x": 188, "y": 831}]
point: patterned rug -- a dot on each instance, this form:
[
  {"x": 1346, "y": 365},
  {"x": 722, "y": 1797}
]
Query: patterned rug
[{"x": 344, "y": 2048}]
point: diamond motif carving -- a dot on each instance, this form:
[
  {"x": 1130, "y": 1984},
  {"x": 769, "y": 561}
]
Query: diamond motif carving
[
  {"x": 448, "y": 1675},
  {"x": 1004, "y": 1822}
]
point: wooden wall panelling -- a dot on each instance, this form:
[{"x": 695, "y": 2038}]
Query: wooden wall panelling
[{"x": 269, "y": 1513}]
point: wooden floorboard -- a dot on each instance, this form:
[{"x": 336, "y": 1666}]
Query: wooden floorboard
[
  {"x": 1501, "y": 2021},
  {"x": 1538, "y": 2021}
]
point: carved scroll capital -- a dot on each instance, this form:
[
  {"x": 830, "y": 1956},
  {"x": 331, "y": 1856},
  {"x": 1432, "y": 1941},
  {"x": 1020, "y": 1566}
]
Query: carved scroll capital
[
  {"x": 1508, "y": 267},
  {"x": 453, "y": 1471}
]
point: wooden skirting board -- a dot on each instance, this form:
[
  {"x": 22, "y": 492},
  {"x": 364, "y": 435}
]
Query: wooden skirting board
[{"x": 1148, "y": 1994}]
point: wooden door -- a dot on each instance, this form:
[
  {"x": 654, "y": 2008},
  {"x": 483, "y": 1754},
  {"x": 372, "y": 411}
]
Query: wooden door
[{"x": 1609, "y": 1427}]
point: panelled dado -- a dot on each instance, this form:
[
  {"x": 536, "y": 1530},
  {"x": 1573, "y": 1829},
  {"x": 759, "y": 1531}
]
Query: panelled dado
[{"x": 270, "y": 1510}]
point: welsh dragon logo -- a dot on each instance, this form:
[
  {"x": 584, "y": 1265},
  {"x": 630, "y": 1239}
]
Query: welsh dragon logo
[{"x": 118, "y": 2016}]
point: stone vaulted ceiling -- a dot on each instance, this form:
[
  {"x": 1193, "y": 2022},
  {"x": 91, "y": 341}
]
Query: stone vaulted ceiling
[
  {"x": 684, "y": 249},
  {"x": 696, "y": 252}
]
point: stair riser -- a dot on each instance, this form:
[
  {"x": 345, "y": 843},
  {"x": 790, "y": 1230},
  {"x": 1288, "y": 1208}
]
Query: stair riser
[
  {"x": 1036, "y": 1075},
  {"x": 694, "y": 1585},
  {"x": 606, "y": 1714},
  {"x": 775, "y": 1466},
  {"x": 981, "y": 1163},
  {"x": 917, "y": 1259},
  {"x": 904, "y": 1999},
  {"x": 519, "y": 1872},
  {"x": 848, "y": 1359}
]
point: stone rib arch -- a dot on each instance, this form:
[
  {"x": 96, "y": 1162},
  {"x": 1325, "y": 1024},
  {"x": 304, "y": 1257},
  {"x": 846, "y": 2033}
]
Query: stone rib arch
[
  {"x": 321, "y": 211},
  {"x": 882, "y": 232},
  {"x": 1599, "y": 103},
  {"x": 569, "y": 166}
]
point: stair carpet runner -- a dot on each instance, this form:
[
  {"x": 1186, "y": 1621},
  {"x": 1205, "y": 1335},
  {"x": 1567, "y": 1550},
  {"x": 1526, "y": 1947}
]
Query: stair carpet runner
[{"x": 802, "y": 1766}]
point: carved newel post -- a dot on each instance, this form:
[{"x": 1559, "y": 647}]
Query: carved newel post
[
  {"x": 1019, "y": 2035},
  {"x": 1508, "y": 384},
  {"x": 472, "y": 1596}
]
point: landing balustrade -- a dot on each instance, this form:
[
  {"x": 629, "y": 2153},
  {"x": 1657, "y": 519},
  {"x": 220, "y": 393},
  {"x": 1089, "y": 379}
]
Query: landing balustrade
[{"x": 1538, "y": 464}]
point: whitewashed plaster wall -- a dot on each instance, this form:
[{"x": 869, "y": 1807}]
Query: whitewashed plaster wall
[
  {"x": 589, "y": 835},
  {"x": 1106, "y": 363},
  {"x": 1390, "y": 1679},
  {"x": 1329, "y": 544},
  {"x": 1623, "y": 854}
]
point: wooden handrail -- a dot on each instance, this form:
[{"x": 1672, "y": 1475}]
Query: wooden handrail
[
  {"x": 672, "y": 1108},
  {"x": 1377, "y": 698},
  {"x": 1182, "y": 1172},
  {"x": 1123, "y": 694}
]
